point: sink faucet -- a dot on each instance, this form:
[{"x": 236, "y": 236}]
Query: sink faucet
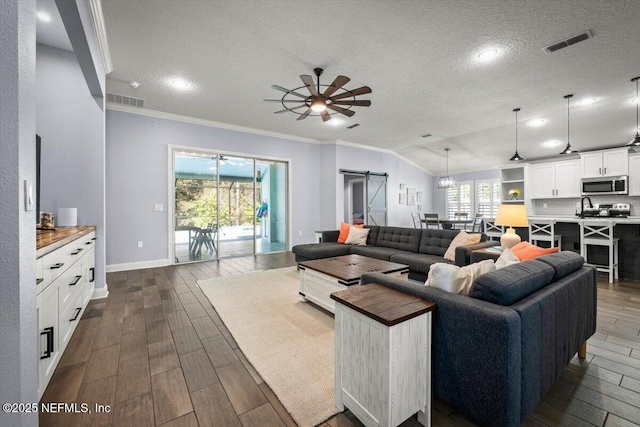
[{"x": 582, "y": 205}]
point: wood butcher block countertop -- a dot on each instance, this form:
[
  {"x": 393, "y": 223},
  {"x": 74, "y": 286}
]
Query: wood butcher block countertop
[
  {"x": 49, "y": 240},
  {"x": 383, "y": 304}
]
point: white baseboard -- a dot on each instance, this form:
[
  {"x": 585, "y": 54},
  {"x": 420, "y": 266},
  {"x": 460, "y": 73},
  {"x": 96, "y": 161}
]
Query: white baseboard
[
  {"x": 100, "y": 293},
  {"x": 112, "y": 268}
]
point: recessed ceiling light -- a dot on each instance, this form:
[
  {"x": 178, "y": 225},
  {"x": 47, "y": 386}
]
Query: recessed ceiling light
[
  {"x": 488, "y": 55},
  {"x": 180, "y": 84},
  {"x": 588, "y": 101},
  {"x": 634, "y": 101},
  {"x": 551, "y": 143},
  {"x": 536, "y": 122},
  {"x": 134, "y": 85},
  {"x": 44, "y": 17},
  {"x": 335, "y": 121}
]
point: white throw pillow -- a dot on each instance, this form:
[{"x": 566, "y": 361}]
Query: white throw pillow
[
  {"x": 357, "y": 236},
  {"x": 457, "y": 280},
  {"x": 506, "y": 259},
  {"x": 461, "y": 239},
  {"x": 448, "y": 277}
]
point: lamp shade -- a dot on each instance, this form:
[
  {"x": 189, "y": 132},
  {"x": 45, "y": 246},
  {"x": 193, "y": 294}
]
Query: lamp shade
[{"x": 512, "y": 215}]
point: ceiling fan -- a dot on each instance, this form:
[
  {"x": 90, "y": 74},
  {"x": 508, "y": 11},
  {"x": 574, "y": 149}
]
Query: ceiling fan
[
  {"x": 224, "y": 160},
  {"x": 320, "y": 102}
]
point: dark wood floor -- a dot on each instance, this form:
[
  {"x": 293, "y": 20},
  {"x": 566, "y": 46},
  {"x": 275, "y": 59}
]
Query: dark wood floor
[{"x": 157, "y": 352}]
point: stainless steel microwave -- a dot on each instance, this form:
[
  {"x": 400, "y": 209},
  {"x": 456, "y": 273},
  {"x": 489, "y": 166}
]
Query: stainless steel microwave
[{"x": 610, "y": 185}]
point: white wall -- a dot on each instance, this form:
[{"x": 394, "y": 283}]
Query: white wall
[
  {"x": 137, "y": 179},
  {"x": 18, "y": 348},
  {"x": 70, "y": 122}
]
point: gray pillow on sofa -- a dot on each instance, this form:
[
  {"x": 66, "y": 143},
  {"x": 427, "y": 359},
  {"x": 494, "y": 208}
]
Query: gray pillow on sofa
[{"x": 510, "y": 284}]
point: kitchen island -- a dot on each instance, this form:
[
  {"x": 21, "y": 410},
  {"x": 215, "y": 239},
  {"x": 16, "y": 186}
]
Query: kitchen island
[{"x": 626, "y": 229}]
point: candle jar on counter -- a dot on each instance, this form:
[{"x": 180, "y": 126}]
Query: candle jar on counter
[{"x": 46, "y": 221}]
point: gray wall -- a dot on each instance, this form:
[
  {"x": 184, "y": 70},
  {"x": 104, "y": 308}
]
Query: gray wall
[
  {"x": 440, "y": 195},
  {"x": 137, "y": 178},
  {"x": 18, "y": 348},
  {"x": 70, "y": 122}
]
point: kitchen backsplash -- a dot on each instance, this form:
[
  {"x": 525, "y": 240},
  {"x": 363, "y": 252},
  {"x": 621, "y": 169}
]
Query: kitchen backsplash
[{"x": 569, "y": 206}]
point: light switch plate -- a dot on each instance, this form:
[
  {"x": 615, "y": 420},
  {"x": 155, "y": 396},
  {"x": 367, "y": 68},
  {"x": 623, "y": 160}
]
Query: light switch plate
[
  {"x": 159, "y": 208},
  {"x": 28, "y": 196}
]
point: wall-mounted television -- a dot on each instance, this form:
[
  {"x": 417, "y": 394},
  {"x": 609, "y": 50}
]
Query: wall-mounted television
[{"x": 38, "y": 155}]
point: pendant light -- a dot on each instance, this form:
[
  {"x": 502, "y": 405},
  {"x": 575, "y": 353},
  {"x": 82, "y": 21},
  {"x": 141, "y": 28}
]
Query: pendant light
[
  {"x": 635, "y": 141},
  {"x": 447, "y": 181},
  {"x": 516, "y": 157},
  {"x": 568, "y": 149}
]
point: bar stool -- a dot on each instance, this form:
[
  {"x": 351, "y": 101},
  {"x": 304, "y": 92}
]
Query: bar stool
[
  {"x": 600, "y": 233},
  {"x": 492, "y": 230},
  {"x": 544, "y": 230}
]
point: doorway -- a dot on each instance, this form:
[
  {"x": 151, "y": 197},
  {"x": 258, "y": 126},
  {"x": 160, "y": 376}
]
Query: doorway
[
  {"x": 227, "y": 205},
  {"x": 365, "y": 197}
]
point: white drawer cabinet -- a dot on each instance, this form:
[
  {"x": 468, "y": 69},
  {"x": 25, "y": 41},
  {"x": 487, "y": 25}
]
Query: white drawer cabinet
[
  {"x": 634, "y": 175},
  {"x": 67, "y": 278}
]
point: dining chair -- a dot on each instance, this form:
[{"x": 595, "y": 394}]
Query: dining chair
[
  {"x": 459, "y": 216},
  {"x": 415, "y": 217},
  {"x": 207, "y": 237},
  {"x": 432, "y": 220},
  {"x": 476, "y": 225}
]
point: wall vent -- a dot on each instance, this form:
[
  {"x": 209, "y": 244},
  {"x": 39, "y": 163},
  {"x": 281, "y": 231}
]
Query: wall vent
[
  {"x": 353, "y": 126},
  {"x": 568, "y": 42},
  {"x": 125, "y": 100},
  {"x": 426, "y": 135}
]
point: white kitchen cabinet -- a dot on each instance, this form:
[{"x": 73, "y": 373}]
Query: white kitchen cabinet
[
  {"x": 604, "y": 163},
  {"x": 67, "y": 284},
  {"x": 48, "y": 335},
  {"x": 555, "y": 180},
  {"x": 634, "y": 175}
]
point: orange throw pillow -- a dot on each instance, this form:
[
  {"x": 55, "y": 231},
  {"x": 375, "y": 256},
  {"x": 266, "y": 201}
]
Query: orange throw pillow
[
  {"x": 525, "y": 251},
  {"x": 344, "y": 231}
]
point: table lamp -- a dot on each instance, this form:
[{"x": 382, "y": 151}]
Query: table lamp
[{"x": 511, "y": 216}]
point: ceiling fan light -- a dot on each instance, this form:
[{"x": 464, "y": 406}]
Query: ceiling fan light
[{"x": 318, "y": 105}]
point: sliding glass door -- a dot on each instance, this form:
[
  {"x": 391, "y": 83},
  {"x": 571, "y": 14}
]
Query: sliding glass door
[{"x": 227, "y": 205}]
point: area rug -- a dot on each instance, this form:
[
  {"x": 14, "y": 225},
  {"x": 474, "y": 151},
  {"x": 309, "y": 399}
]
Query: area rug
[{"x": 289, "y": 343}]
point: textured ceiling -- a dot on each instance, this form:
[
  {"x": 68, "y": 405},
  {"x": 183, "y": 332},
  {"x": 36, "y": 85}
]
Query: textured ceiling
[{"x": 417, "y": 56}]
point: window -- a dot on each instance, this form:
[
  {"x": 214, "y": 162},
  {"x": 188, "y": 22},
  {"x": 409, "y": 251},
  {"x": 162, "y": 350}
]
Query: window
[
  {"x": 487, "y": 198},
  {"x": 459, "y": 199}
]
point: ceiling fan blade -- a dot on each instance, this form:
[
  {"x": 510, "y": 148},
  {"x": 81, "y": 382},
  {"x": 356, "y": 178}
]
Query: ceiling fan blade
[
  {"x": 290, "y": 109},
  {"x": 325, "y": 116},
  {"x": 356, "y": 103},
  {"x": 305, "y": 114},
  {"x": 308, "y": 81},
  {"x": 337, "y": 84},
  {"x": 282, "y": 89},
  {"x": 360, "y": 91},
  {"x": 344, "y": 111},
  {"x": 282, "y": 100}
]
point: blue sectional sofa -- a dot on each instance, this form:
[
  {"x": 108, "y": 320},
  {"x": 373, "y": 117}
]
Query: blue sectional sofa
[
  {"x": 496, "y": 352},
  {"x": 413, "y": 247}
]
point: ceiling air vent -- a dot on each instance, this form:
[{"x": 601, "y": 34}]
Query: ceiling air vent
[
  {"x": 568, "y": 42},
  {"x": 125, "y": 100},
  {"x": 353, "y": 126}
]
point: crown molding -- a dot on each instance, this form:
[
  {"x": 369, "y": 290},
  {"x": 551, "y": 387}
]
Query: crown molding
[
  {"x": 101, "y": 34},
  {"x": 205, "y": 122},
  {"x": 210, "y": 123}
]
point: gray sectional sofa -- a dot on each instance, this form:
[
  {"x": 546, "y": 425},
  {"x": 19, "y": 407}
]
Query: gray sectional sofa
[
  {"x": 496, "y": 352},
  {"x": 414, "y": 247}
]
